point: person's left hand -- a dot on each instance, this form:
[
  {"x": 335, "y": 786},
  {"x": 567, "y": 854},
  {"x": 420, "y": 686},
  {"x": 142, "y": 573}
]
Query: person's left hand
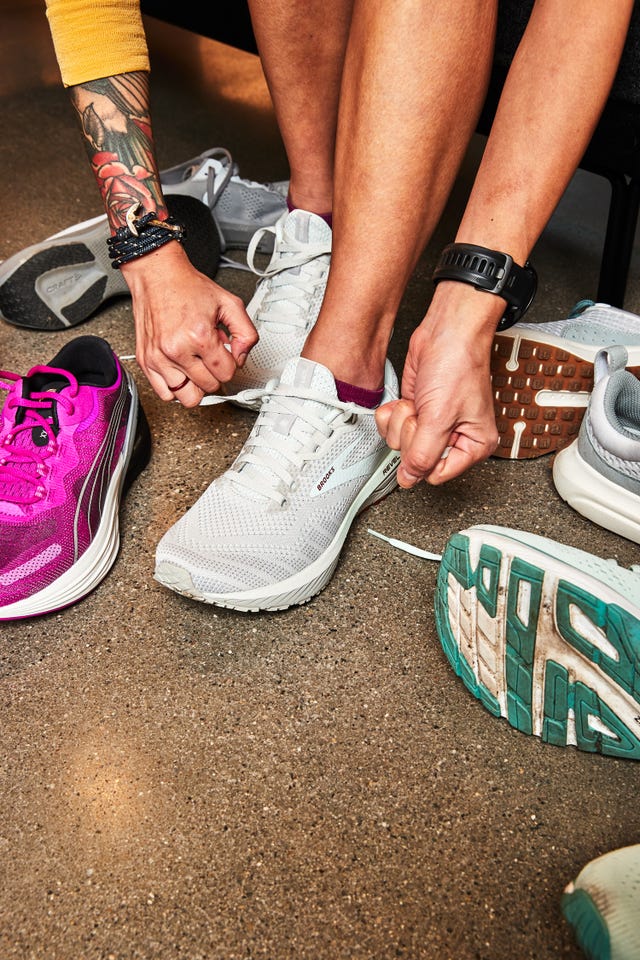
[{"x": 444, "y": 423}]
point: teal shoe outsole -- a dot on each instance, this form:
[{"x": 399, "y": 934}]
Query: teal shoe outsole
[
  {"x": 538, "y": 647},
  {"x": 588, "y": 925}
]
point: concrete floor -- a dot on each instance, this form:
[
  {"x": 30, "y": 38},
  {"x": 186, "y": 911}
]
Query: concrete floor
[{"x": 184, "y": 782}]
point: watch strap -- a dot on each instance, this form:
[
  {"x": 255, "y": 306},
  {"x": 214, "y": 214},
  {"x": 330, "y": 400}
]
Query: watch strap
[{"x": 493, "y": 272}]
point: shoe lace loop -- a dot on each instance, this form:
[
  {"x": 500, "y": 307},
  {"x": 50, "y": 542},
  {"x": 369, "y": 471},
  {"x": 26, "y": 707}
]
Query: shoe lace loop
[{"x": 22, "y": 463}]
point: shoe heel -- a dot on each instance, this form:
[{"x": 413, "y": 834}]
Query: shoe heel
[{"x": 141, "y": 452}]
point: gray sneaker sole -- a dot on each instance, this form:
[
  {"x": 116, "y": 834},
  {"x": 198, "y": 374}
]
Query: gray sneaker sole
[{"x": 62, "y": 281}]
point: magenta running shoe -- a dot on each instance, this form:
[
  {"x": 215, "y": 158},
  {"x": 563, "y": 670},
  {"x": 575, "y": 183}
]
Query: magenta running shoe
[{"x": 72, "y": 435}]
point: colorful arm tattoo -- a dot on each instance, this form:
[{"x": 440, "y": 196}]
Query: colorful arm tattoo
[{"x": 115, "y": 119}]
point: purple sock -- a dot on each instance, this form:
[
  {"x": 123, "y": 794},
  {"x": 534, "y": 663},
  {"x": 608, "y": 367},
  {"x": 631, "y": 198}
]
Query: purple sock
[
  {"x": 348, "y": 393},
  {"x": 327, "y": 217}
]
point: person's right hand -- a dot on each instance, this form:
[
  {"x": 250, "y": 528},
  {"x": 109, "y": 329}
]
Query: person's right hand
[{"x": 183, "y": 322}]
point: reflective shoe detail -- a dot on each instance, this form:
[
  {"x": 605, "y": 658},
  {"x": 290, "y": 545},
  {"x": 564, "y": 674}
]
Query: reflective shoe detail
[
  {"x": 72, "y": 436},
  {"x": 542, "y": 376},
  {"x": 599, "y": 473},
  {"x": 288, "y": 298},
  {"x": 239, "y": 207},
  {"x": 601, "y": 905},
  {"x": 63, "y": 280},
  {"x": 268, "y": 533},
  {"x": 545, "y": 636}
]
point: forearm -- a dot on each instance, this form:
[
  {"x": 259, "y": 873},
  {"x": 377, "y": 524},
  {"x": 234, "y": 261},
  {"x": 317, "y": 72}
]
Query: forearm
[
  {"x": 552, "y": 99},
  {"x": 115, "y": 121}
]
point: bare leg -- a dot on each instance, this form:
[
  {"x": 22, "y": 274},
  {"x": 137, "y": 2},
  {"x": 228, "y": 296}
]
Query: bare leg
[
  {"x": 302, "y": 45},
  {"x": 414, "y": 82}
]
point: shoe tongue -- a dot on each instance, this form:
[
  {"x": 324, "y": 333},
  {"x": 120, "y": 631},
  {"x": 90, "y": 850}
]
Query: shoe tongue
[
  {"x": 43, "y": 382},
  {"x": 305, "y": 375},
  {"x": 306, "y": 227},
  {"x": 309, "y": 375},
  {"x": 300, "y": 227}
]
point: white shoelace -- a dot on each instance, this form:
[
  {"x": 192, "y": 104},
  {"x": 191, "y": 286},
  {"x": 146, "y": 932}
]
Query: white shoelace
[
  {"x": 271, "y": 460},
  {"x": 288, "y": 400},
  {"x": 295, "y": 289},
  {"x": 219, "y": 174}
]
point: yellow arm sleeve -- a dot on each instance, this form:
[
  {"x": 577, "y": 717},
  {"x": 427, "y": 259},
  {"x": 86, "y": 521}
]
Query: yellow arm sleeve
[{"x": 97, "y": 39}]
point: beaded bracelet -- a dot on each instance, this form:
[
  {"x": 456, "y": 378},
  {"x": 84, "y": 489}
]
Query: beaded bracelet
[{"x": 141, "y": 235}]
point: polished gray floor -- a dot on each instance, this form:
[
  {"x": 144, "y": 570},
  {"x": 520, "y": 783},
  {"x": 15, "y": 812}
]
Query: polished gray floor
[{"x": 178, "y": 781}]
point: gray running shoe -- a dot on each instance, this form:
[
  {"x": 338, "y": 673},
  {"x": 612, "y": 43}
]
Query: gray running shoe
[
  {"x": 63, "y": 280},
  {"x": 239, "y": 207},
  {"x": 542, "y": 375},
  {"x": 599, "y": 473}
]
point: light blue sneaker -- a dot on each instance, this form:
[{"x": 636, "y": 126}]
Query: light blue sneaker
[
  {"x": 602, "y": 905},
  {"x": 599, "y": 473},
  {"x": 544, "y": 635},
  {"x": 542, "y": 375}
]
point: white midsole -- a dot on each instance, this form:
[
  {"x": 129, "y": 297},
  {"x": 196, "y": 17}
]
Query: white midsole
[{"x": 595, "y": 496}]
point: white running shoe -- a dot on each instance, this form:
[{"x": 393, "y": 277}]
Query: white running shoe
[
  {"x": 542, "y": 375},
  {"x": 599, "y": 473},
  {"x": 602, "y": 905},
  {"x": 268, "y": 533},
  {"x": 287, "y": 299}
]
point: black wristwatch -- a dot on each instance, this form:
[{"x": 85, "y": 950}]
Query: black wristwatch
[{"x": 493, "y": 272}]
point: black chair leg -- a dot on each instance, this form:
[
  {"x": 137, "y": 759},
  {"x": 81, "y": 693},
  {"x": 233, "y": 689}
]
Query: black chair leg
[{"x": 619, "y": 239}]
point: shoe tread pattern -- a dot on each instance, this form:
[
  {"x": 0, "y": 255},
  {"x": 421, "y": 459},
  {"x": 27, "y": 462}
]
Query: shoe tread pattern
[
  {"x": 542, "y": 430},
  {"x": 491, "y": 654},
  {"x": 589, "y": 926},
  {"x": 20, "y": 304}
]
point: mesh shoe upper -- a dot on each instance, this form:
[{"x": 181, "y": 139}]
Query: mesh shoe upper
[
  {"x": 596, "y": 324},
  {"x": 62, "y": 432},
  {"x": 239, "y": 206},
  {"x": 610, "y": 432},
  {"x": 282, "y": 502},
  {"x": 598, "y": 474}
]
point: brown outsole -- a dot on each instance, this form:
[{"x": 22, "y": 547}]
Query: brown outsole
[{"x": 522, "y": 372}]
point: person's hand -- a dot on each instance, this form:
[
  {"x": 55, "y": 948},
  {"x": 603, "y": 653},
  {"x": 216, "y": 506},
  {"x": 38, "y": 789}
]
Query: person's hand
[
  {"x": 187, "y": 326},
  {"x": 444, "y": 423}
]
